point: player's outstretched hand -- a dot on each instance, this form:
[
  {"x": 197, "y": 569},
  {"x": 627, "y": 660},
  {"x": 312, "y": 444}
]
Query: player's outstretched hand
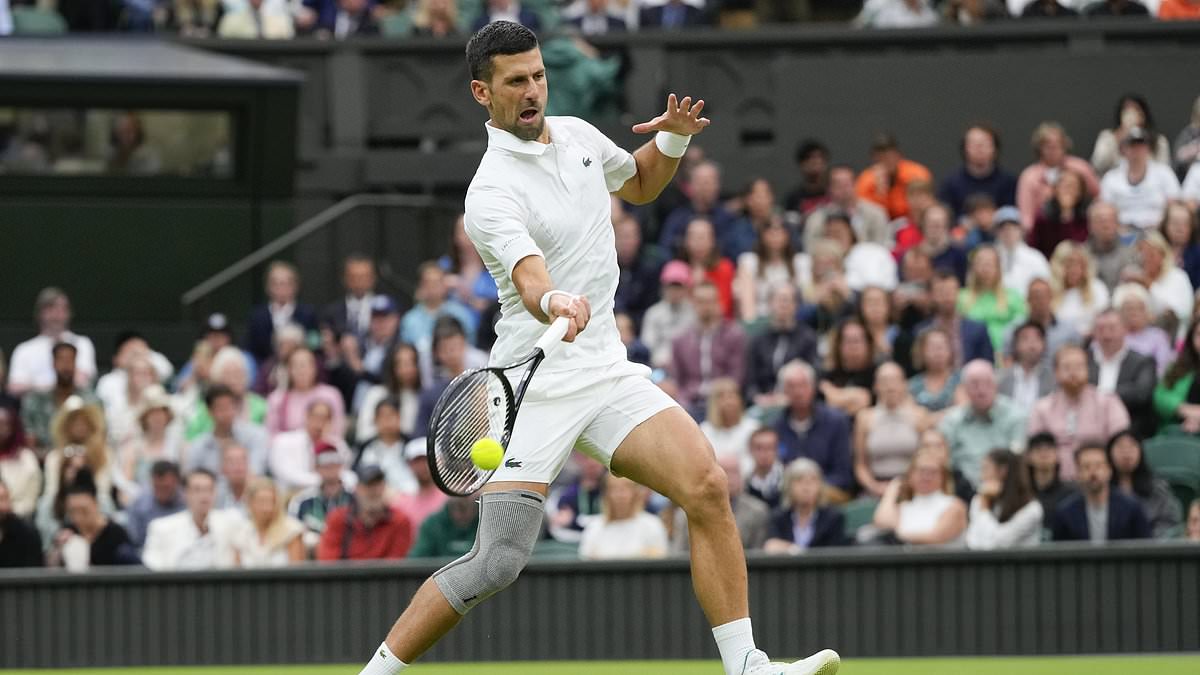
[
  {"x": 577, "y": 307},
  {"x": 681, "y": 117}
]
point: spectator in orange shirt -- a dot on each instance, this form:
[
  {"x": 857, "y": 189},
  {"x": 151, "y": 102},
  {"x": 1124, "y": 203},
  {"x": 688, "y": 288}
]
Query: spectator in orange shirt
[
  {"x": 1179, "y": 10},
  {"x": 886, "y": 181},
  {"x": 367, "y": 529}
]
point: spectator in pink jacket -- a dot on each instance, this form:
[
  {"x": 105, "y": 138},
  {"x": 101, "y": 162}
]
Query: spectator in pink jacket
[
  {"x": 1076, "y": 410},
  {"x": 288, "y": 405},
  {"x": 1035, "y": 187}
]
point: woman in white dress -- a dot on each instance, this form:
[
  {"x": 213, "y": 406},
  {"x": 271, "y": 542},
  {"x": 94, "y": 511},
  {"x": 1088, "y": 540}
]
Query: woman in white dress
[
  {"x": 920, "y": 507},
  {"x": 1078, "y": 295},
  {"x": 269, "y": 538}
]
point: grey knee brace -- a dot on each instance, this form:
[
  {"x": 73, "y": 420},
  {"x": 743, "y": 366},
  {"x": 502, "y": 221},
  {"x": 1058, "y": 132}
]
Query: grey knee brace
[{"x": 509, "y": 525}]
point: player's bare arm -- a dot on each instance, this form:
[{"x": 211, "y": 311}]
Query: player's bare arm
[
  {"x": 655, "y": 169},
  {"x": 533, "y": 283}
]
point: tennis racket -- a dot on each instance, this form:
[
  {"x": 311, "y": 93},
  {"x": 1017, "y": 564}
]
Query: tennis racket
[{"x": 480, "y": 403}]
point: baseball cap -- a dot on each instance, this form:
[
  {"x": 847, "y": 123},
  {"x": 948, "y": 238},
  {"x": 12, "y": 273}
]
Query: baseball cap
[
  {"x": 1136, "y": 135},
  {"x": 217, "y": 323},
  {"x": 416, "y": 448},
  {"x": 676, "y": 272},
  {"x": 327, "y": 454},
  {"x": 369, "y": 473},
  {"x": 1007, "y": 214},
  {"x": 383, "y": 304}
]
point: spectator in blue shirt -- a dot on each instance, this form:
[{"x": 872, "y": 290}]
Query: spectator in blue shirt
[
  {"x": 809, "y": 428},
  {"x": 735, "y": 235},
  {"x": 163, "y": 499},
  {"x": 433, "y": 300}
]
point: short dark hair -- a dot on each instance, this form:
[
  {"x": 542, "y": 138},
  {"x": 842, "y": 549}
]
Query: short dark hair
[
  {"x": 199, "y": 471},
  {"x": 445, "y": 327},
  {"x": 87, "y": 486},
  {"x": 164, "y": 467},
  {"x": 1041, "y": 331},
  {"x": 59, "y": 346},
  {"x": 389, "y": 402},
  {"x": 502, "y": 38},
  {"x": 1041, "y": 439},
  {"x": 809, "y": 147},
  {"x": 1088, "y": 445},
  {"x": 217, "y": 391}
]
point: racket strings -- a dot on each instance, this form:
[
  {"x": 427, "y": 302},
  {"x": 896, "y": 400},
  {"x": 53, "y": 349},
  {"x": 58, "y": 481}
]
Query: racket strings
[{"x": 478, "y": 407}]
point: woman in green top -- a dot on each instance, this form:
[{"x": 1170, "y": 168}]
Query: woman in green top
[
  {"x": 1177, "y": 396},
  {"x": 987, "y": 299}
]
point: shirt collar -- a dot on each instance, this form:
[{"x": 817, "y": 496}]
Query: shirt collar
[
  {"x": 1098, "y": 354},
  {"x": 499, "y": 138}
]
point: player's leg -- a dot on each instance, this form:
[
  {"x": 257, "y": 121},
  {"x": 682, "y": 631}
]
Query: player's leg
[
  {"x": 430, "y": 615},
  {"x": 668, "y": 454},
  {"x": 658, "y": 445},
  {"x": 511, "y": 511}
]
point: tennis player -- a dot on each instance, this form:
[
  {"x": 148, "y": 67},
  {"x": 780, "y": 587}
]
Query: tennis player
[{"x": 539, "y": 212}]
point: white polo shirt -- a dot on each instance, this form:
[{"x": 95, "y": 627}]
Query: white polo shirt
[
  {"x": 1140, "y": 205},
  {"x": 32, "y": 363},
  {"x": 551, "y": 200}
]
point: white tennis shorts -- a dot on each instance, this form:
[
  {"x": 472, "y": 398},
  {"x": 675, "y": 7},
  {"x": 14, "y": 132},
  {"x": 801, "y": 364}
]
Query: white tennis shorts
[{"x": 591, "y": 410}]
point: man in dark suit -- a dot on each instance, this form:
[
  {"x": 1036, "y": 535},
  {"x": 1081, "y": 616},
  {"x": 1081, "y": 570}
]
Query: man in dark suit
[
  {"x": 670, "y": 14},
  {"x": 596, "y": 20},
  {"x": 1098, "y": 513},
  {"x": 352, "y": 314},
  {"x": 281, "y": 308},
  {"x": 972, "y": 341},
  {"x": 809, "y": 428},
  {"x": 784, "y": 339},
  {"x": 1113, "y": 368},
  {"x": 507, "y": 10}
]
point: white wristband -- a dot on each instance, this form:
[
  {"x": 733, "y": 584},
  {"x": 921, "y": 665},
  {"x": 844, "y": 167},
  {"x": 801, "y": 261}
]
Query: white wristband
[
  {"x": 544, "y": 304},
  {"x": 672, "y": 144}
]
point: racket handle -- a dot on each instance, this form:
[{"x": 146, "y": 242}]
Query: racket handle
[{"x": 553, "y": 336}]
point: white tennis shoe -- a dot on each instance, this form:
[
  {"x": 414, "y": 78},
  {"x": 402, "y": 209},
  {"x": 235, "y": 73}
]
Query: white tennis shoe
[{"x": 824, "y": 662}]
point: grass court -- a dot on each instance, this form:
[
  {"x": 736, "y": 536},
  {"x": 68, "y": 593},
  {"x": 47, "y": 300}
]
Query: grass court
[{"x": 1133, "y": 665}]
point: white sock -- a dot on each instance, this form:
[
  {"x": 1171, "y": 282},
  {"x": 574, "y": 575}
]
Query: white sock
[
  {"x": 735, "y": 640},
  {"x": 383, "y": 662}
]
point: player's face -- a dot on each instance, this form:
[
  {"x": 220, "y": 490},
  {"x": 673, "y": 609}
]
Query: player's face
[{"x": 517, "y": 93}]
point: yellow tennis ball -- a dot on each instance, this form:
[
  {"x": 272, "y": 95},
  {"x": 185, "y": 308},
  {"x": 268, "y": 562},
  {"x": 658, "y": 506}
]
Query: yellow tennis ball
[{"x": 486, "y": 453}]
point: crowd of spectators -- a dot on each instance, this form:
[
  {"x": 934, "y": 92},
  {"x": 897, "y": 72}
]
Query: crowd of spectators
[
  {"x": 882, "y": 356},
  {"x": 339, "y": 19}
]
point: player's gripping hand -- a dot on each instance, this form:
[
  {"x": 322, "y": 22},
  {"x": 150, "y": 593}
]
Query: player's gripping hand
[
  {"x": 681, "y": 117},
  {"x": 576, "y": 307}
]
